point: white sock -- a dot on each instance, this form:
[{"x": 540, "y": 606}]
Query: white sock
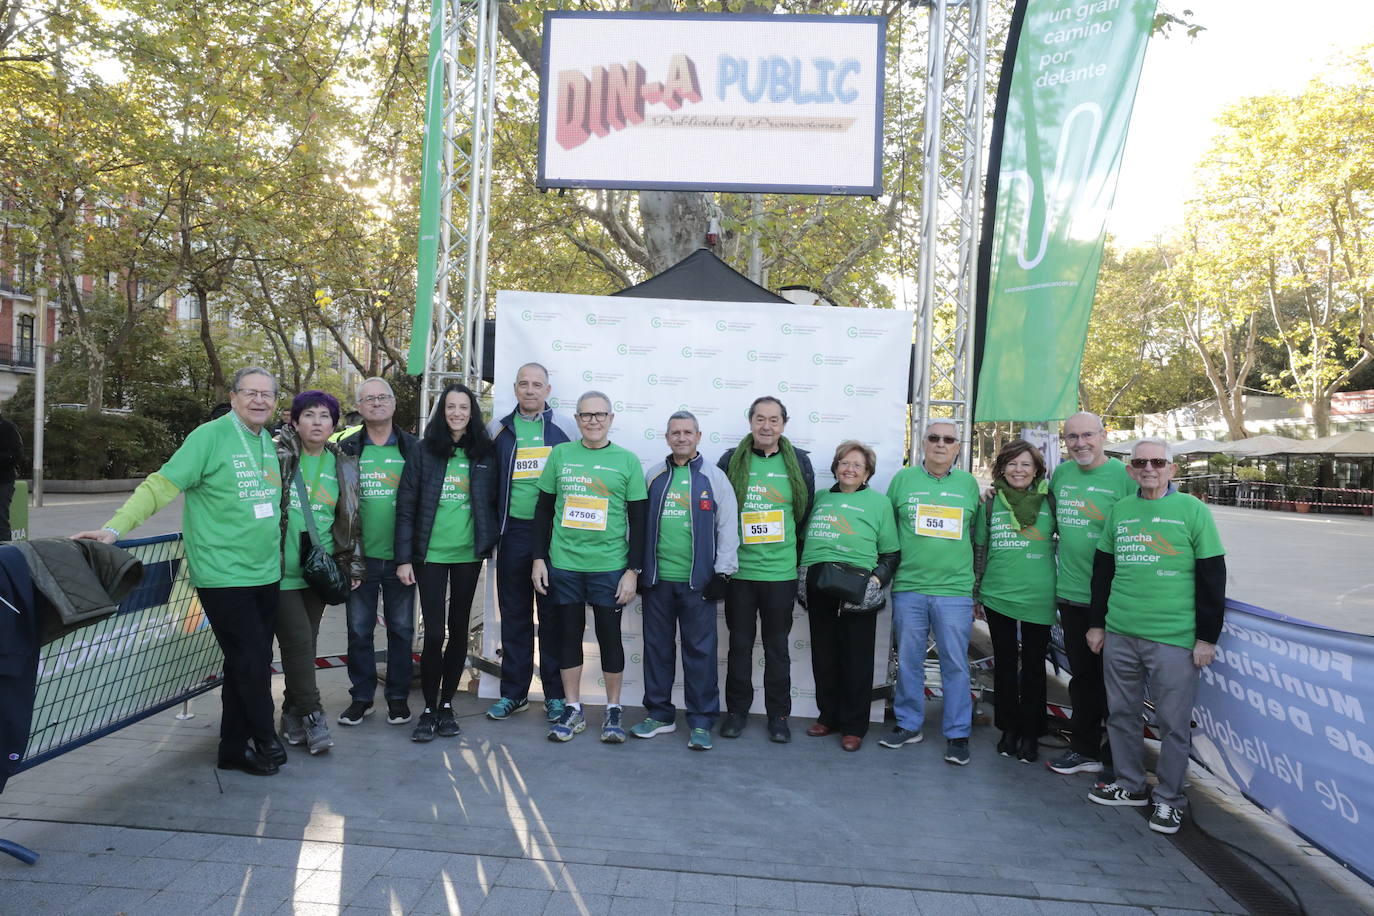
[
  {"x": 610, "y": 706},
  {"x": 576, "y": 706}
]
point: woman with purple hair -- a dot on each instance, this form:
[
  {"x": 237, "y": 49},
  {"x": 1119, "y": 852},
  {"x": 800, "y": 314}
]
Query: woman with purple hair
[{"x": 330, "y": 480}]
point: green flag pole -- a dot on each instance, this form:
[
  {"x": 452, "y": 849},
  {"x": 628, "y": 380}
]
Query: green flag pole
[{"x": 431, "y": 184}]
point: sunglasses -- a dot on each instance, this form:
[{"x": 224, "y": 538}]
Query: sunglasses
[
  {"x": 936, "y": 438},
  {"x": 1156, "y": 463}
]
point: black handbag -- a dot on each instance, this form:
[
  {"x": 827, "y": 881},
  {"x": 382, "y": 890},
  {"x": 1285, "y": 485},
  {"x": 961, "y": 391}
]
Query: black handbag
[
  {"x": 843, "y": 582},
  {"x": 319, "y": 569}
]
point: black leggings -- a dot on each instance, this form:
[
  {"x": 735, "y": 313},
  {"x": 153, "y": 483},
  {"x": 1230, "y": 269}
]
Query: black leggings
[
  {"x": 572, "y": 620},
  {"x": 437, "y": 662}
]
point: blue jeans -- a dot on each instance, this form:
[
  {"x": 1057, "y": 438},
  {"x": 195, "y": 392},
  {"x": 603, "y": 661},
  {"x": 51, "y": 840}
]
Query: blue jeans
[
  {"x": 951, "y": 617},
  {"x": 398, "y": 611}
]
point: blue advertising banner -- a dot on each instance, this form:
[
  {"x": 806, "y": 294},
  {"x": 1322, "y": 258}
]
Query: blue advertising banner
[{"x": 1283, "y": 714}]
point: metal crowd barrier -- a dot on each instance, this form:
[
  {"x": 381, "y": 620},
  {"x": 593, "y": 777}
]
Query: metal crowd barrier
[{"x": 155, "y": 653}]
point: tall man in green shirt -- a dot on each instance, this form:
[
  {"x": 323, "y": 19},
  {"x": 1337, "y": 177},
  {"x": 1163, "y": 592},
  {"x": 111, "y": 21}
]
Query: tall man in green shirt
[
  {"x": 381, "y": 449},
  {"x": 933, "y": 590},
  {"x": 774, "y": 486},
  {"x": 524, "y": 439},
  {"x": 1085, "y": 490},
  {"x": 231, "y": 528},
  {"x": 1158, "y": 599}
]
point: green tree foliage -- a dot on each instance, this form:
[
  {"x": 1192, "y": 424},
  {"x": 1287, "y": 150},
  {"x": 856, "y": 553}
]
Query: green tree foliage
[{"x": 1280, "y": 238}]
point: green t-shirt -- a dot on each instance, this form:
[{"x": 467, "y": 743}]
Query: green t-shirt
[
  {"x": 1018, "y": 580},
  {"x": 1156, "y": 543},
  {"x": 452, "y": 540},
  {"x": 592, "y": 486},
  {"x": 531, "y": 454},
  {"x": 232, "y": 519},
  {"x": 933, "y": 518},
  {"x": 1082, "y": 501},
  {"x": 768, "y": 524},
  {"x": 322, "y": 484},
  {"x": 849, "y": 528},
  {"x": 379, "y": 475},
  {"x": 675, "y": 529}
]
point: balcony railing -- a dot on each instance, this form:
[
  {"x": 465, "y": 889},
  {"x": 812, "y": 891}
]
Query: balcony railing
[
  {"x": 19, "y": 357},
  {"x": 13, "y": 290}
]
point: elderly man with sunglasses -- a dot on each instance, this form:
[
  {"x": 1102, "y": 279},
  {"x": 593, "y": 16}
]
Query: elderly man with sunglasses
[
  {"x": 1158, "y": 596},
  {"x": 934, "y": 504}
]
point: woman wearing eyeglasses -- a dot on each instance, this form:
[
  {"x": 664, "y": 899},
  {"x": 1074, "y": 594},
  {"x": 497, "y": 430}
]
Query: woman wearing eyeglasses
[
  {"x": 850, "y": 531},
  {"x": 445, "y": 527},
  {"x": 1013, "y": 535}
]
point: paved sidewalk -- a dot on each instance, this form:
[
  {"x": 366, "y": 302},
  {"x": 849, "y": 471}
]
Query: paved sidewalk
[{"x": 502, "y": 820}]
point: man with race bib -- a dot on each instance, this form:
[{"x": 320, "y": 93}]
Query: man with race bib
[
  {"x": 933, "y": 589},
  {"x": 524, "y": 438},
  {"x": 589, "y": 549},
  {"x": 774, "y": 486}
]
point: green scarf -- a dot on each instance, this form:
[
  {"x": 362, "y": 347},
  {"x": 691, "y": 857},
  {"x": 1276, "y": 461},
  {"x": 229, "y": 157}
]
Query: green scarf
[
  {"x": 1024, "y": 505},
  {"x": 738, "y": 472}
]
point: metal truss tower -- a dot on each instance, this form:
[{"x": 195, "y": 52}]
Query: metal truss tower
[
  {"x": 456, "y": 336},
  {"x": 951, "y": 202}
]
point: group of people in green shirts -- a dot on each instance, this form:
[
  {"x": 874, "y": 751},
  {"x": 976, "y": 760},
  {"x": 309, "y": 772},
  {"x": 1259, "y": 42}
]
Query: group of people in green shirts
[{"x": 1132, "y": 569}]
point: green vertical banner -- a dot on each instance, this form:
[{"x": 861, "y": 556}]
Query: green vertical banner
[
  {"x": 431, "y": 182},
  {"x": 1063, "y": 108}
]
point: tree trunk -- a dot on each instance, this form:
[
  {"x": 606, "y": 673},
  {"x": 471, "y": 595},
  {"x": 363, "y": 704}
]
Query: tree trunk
[
  {"x": 218, "y": 389},
  {"x": 1321, "y": 415},
  {"x": 675, "y": 224}
]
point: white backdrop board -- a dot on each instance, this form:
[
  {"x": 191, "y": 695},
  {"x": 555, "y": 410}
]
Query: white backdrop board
[
  {"x": 842, "y": 374},
  {"x": 722, "y": 102}
]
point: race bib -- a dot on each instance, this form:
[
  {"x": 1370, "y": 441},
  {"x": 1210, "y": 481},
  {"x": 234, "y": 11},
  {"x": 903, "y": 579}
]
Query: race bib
[
  {"x": 940, "y": 522},
  {"x": 529, "y": 462},
  {"x": 762, "y": 527},
  {"x": 585, "y": 512},
  {"x": 264, "y": 510}
]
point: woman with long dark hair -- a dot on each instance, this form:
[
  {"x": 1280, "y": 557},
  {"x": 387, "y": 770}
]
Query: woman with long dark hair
[
  {"x": 1013, "y": 535},
  {"x": 445, "y": 527}
]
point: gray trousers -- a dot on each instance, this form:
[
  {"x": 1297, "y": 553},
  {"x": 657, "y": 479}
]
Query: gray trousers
[
  {"x": 298, "y": 627},
  {"x": 1128, "y": 664}
]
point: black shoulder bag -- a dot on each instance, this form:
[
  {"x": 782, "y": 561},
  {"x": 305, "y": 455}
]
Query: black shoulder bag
[{"x": 318, "y": 567}]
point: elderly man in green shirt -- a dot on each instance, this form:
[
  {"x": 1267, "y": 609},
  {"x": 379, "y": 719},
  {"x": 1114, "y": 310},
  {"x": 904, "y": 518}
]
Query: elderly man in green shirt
[
  {"x": 1159, "y": 595},
  {"x": 934, "y": 504},
  {"x": 231, "y": 526}
]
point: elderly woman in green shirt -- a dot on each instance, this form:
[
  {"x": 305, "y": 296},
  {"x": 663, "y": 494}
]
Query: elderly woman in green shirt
[
  {"x": 1013, "y": 536},
  {"x": 852, "y": 526}
]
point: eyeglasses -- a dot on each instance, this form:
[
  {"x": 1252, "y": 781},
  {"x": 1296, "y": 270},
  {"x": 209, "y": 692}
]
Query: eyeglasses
[
  {"x": 935, "y": 438},
  {"x": 599, "y": 416},
  {"x": 255, "y": 395},
  {"x": 377, "y": 399},
  {"x": 1156, "y": 463}
]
